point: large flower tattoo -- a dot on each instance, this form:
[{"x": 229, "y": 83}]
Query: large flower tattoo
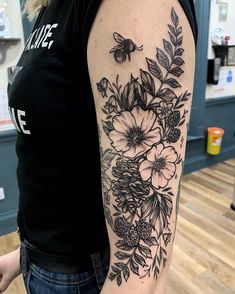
[
  {"x": 160, "y": 166},
  {"x": 135, "y": 132}
]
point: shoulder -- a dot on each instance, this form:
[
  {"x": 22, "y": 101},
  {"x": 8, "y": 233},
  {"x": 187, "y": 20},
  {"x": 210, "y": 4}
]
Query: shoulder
[
  {"x": 146, "y": 23},
  {"x": 147, "y": 18}
]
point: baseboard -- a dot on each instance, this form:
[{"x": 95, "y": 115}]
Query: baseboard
[
  {"x": 204, "y": 160},
  {"x": 8, "y": 222}
]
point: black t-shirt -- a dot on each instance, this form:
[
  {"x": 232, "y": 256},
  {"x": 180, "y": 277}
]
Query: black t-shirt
[{"x": 51, "y": 104}]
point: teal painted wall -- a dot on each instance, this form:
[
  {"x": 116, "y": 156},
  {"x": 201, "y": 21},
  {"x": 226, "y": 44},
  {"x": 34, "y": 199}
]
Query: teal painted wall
[
  {"x": 219, "y": 112},
  {"x": 8, "y": 206}
]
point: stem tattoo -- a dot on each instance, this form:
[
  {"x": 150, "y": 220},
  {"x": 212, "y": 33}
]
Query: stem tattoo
[{"x": 142, "y": 121}]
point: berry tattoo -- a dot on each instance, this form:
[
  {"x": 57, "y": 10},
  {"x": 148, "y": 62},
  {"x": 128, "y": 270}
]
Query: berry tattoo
[{"x": 142, "y": 121}]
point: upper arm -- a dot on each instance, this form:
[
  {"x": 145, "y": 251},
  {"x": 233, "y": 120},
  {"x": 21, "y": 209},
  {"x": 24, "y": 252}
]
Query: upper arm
[{"x": 141, "y": 63}]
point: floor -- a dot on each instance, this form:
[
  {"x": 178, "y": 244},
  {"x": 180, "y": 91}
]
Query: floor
[{"x": 204, "y": 251}]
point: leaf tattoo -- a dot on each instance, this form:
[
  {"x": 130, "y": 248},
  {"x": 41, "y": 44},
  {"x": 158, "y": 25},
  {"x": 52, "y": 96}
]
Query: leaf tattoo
[{"x": 142, "y": 121}]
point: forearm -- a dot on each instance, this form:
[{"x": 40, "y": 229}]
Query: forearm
[
  {"x": 141, "y": 265},
  {"x": 9, "y": 268},
  {"x": 15, "y": 257},
  {"x": 136, "y": 286}
]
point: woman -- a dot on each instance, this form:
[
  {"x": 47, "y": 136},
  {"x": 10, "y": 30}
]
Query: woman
[{"x": 142, "y": 102}]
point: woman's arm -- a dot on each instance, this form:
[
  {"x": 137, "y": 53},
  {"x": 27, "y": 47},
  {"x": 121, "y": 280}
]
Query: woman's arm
[
  {"x": 141, "y": 62},
  {"x": 9, "y": 268}
]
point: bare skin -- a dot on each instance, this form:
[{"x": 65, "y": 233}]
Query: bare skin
[
  {"x": 143, "y": 100},
  {"x": 9, "y": 268}
]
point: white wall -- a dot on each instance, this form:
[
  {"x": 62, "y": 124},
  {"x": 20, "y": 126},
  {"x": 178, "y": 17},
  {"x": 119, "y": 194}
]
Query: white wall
[
  {"x": 14, "y": 52},
  {"x": 227, "y": 26},
  {"x": 224, "y": 88}
]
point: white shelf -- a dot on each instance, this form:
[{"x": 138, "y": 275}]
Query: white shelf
[{"x": 5, "y": 43}]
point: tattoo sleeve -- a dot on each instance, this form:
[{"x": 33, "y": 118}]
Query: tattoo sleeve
[{"x": 142, "y": 120}]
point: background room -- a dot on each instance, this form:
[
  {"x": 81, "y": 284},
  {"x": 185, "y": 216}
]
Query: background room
[{"x": 204, "y": 252}]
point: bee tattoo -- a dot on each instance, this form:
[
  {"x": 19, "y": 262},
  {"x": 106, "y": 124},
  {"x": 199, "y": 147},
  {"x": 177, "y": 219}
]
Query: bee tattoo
[{"x": 124, "y": 48}]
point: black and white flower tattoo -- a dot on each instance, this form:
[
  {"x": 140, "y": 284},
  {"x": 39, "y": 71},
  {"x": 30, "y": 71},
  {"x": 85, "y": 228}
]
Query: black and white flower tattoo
[
  {"x": 135, "y": 132},
  {"x": 143, "y": 120},
  {"x": 159, "y": 166}
]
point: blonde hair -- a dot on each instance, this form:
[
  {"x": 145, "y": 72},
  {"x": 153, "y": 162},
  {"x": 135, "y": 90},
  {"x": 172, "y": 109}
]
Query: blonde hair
[{"x": 33, "y": 6}]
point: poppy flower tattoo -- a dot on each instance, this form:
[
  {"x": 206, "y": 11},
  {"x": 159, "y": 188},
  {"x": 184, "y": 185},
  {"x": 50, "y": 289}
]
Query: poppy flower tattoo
[
  {"x": 135, "y": 132},
  {"x": 160, "y": 166}
]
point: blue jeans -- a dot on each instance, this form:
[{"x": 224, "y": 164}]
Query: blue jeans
[{"x": 40, "y": 281}]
